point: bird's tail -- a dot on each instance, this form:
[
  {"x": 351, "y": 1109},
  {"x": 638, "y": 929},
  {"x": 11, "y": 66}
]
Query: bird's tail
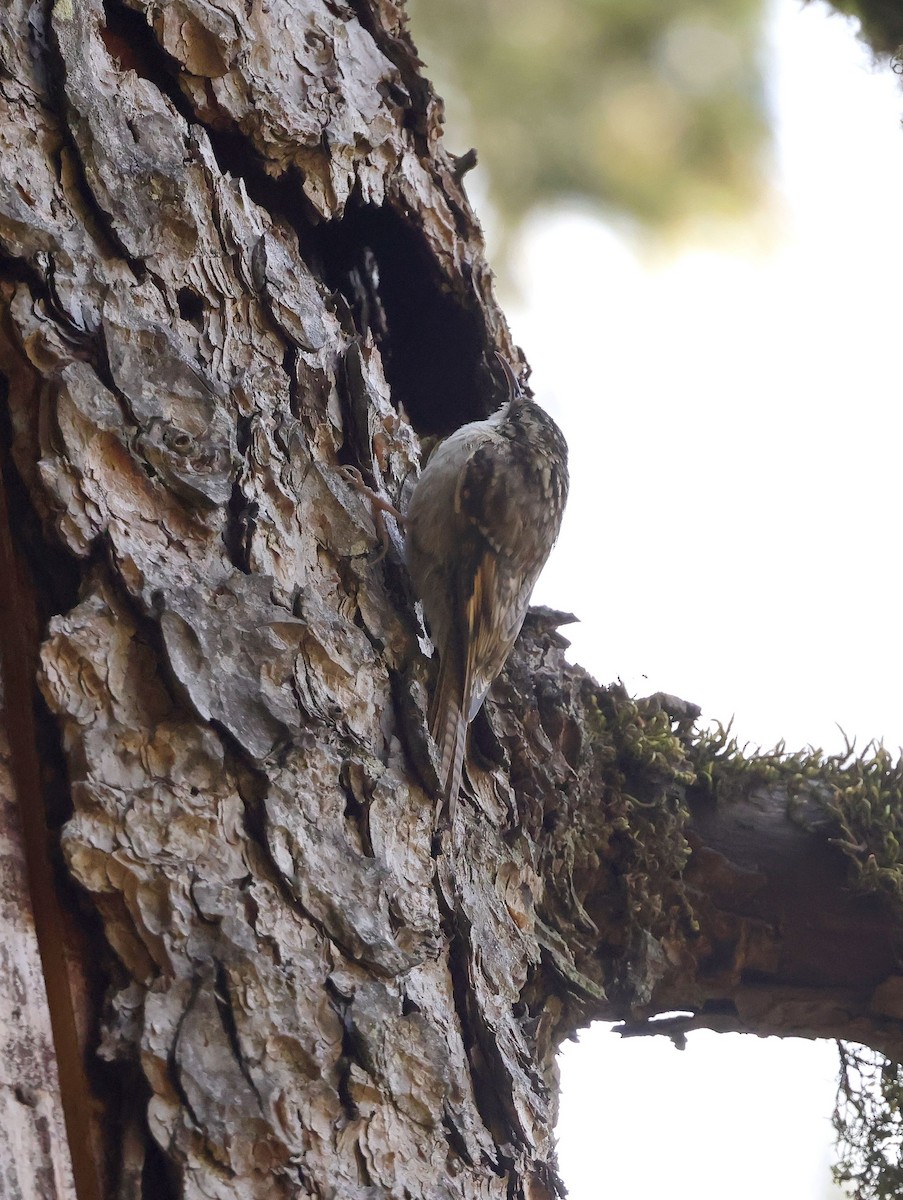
[{"x": 448, "y": 726}]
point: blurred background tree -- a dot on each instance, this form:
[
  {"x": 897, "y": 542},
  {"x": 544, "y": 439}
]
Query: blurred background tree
[{"x": 654, "y": 111}]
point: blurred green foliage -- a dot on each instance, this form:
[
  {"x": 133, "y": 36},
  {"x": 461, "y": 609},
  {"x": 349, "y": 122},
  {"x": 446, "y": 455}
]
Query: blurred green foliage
[
  {"x": 652, "y": 108},
  {"x": 655, "y": 109}
]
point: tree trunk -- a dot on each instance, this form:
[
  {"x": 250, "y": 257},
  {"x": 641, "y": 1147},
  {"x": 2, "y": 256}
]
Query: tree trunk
[{"x": 236, "y": 255}]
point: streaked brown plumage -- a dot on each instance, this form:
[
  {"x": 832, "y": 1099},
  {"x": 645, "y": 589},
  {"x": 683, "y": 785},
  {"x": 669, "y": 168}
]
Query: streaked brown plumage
[{"x": 481, "y": 523}]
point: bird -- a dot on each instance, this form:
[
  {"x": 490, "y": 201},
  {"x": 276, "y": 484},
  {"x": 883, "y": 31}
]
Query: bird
[{"x": 480, "y": 524}]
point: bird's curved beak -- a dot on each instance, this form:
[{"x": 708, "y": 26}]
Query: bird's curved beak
[{"x": 515, "y": 391}]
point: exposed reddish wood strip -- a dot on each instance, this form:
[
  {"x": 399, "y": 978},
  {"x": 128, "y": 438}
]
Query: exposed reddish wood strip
[{"x": 17, "y": 646}]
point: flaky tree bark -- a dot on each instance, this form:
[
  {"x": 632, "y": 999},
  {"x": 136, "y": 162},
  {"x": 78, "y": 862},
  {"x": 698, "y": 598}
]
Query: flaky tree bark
[{"x": 235, "y": 256}]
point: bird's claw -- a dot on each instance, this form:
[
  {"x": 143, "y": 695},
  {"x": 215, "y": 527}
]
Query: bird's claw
[
  {"x": 379, "y": 506},
  {"x": 353, "y": 476}
]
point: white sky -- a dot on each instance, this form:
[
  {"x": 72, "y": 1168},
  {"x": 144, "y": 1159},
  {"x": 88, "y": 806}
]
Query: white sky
[
  {"x": 733, "y": 537},
  {"x": 735, "y": 425}
]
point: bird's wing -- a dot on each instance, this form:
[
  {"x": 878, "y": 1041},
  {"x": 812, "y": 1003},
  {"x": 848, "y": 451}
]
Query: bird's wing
[{"x": 495, "y": 590}]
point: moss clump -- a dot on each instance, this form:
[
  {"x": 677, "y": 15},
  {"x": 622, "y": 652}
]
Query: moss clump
[
  {"x": 867, "y": 802},
  {"x": 641, "y": 748},
  {"x": 859, "y": 798},
  {"x": 651, "y": 758}
]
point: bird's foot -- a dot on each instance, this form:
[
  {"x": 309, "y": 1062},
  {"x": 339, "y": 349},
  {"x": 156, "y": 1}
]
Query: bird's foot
[{"x": 379, "y": 506}]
